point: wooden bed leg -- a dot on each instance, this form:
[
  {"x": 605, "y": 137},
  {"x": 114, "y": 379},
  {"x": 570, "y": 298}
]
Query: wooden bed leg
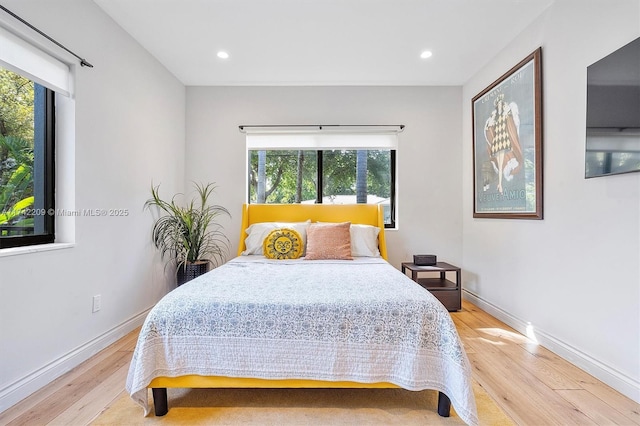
[
  {"x": 444, "y": 405},
  {"x": 160, "y": 401}
]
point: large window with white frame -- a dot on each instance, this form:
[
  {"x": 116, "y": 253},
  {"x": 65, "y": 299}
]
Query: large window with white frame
[{"x": 323, "y": 166}]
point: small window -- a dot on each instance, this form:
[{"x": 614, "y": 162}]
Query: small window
[
  {"x": 26, "y": 161},
  {"x": 330, "y": 175}
]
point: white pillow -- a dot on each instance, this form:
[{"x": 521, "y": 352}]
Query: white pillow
[
  {"x": 257, "y": 232},
  {"x": 364, "y": 240}
]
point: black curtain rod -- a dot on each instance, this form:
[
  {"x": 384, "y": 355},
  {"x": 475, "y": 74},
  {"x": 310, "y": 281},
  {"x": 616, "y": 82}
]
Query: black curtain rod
[
  {"x": 320, "y": 126},
  {"x": 83, "y": 62}
]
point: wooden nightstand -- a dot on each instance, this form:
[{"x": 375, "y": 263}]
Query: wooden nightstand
[{"x": 434, "y": 278}]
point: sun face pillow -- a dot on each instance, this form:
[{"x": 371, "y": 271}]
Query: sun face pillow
[
  {"x": 258, "y": 232},
  {"x": 284, "y": 243}
]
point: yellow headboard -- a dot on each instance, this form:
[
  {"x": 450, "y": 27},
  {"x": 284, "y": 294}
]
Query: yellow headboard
[{"x": 366, "y": 214}]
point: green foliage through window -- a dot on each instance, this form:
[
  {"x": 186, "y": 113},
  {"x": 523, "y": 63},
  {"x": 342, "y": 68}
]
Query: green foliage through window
[
  {"x": 26, "y": 135},
  {"x": 329, "y": 176}
]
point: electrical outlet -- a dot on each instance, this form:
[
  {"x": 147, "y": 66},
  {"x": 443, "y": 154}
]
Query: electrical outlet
[{"x": 97, "y": 302}]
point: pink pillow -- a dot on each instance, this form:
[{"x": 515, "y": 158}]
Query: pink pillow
[{"x": 329, "y": 241}]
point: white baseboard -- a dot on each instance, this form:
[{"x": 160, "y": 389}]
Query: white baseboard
[
  {"x": 624, "y": 384},
  {"x": 22, "y": 388}
]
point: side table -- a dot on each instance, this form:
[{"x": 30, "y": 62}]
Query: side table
[{"x": 448, "y": 290}]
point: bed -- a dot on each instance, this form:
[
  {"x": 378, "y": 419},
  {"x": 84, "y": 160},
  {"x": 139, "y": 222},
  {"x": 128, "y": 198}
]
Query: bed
[{"x": 257, "y": 322}]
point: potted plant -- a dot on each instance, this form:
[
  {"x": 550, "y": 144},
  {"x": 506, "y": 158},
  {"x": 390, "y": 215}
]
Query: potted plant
[{"x": 189, "y": 234}]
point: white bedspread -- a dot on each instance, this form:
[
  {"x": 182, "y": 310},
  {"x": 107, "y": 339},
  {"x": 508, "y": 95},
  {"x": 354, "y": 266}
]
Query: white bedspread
[{"x": 360, "y": 320}]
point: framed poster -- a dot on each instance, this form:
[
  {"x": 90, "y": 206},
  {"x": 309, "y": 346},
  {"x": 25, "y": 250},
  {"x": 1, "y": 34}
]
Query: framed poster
[{"x": 507, "y": 144}]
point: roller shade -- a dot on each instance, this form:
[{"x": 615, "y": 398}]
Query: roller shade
[
  {"x": 360, "y": 138},
  {"x": 25, "y": 59}
]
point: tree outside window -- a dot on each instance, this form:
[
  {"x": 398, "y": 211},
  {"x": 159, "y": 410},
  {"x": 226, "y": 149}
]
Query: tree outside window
[
  {"x": 26, "y": 161},
  {"x": 338, "y": 176}
]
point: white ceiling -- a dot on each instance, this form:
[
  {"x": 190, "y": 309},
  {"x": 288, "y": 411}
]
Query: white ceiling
[{"x": 323, "y": 42}]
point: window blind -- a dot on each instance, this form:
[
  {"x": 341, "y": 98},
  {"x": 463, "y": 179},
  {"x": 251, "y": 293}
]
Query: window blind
[
  {"x": 30, "y": 61},
  {"x": 320, "y": 139}
]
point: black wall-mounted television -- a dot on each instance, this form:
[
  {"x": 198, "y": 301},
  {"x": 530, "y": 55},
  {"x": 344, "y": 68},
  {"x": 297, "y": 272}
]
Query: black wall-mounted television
[{"x": 613, "y": 113}]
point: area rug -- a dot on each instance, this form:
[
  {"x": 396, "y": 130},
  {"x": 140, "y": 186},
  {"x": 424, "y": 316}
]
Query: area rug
[{"x": 299, "y": 407}]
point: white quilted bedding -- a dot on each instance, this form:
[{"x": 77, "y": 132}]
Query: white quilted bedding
[{"x": 360, "y": 320}]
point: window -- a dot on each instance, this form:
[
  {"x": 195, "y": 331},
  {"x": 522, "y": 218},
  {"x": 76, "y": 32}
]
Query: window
[
  {"x": 345, "y": 168},
  {"x": 30, "y": 78},
  {"x": 26, "y": 161}
]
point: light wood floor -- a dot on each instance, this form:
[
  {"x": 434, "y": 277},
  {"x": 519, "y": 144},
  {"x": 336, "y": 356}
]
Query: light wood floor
[{"x": 531, "y": 384}]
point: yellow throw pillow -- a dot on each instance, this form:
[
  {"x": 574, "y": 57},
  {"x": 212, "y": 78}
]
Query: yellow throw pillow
[{"x": 284, "y": 243}]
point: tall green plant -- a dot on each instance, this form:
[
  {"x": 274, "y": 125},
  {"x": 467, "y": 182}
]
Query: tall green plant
[{"x": 189, "y": 232}]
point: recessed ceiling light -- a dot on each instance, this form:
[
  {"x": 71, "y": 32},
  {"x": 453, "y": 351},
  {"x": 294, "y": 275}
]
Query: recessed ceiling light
[
  {"x": 426, "y": 54},
  {"x": 223, "y": 55}
]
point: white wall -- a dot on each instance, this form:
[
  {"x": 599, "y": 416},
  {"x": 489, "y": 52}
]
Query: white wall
[
  {"x": 429, "y": 164},
  {"x": 129, "y": 130},
  {"x": 575, "y": 276}
]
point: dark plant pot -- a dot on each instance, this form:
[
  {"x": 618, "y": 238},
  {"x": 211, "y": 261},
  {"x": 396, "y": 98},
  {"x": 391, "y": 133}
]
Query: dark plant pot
[{"x": 189, "y": 271}]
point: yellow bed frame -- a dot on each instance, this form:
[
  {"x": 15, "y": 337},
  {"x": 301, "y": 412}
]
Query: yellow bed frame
[{"x": 367, "y": 214}]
